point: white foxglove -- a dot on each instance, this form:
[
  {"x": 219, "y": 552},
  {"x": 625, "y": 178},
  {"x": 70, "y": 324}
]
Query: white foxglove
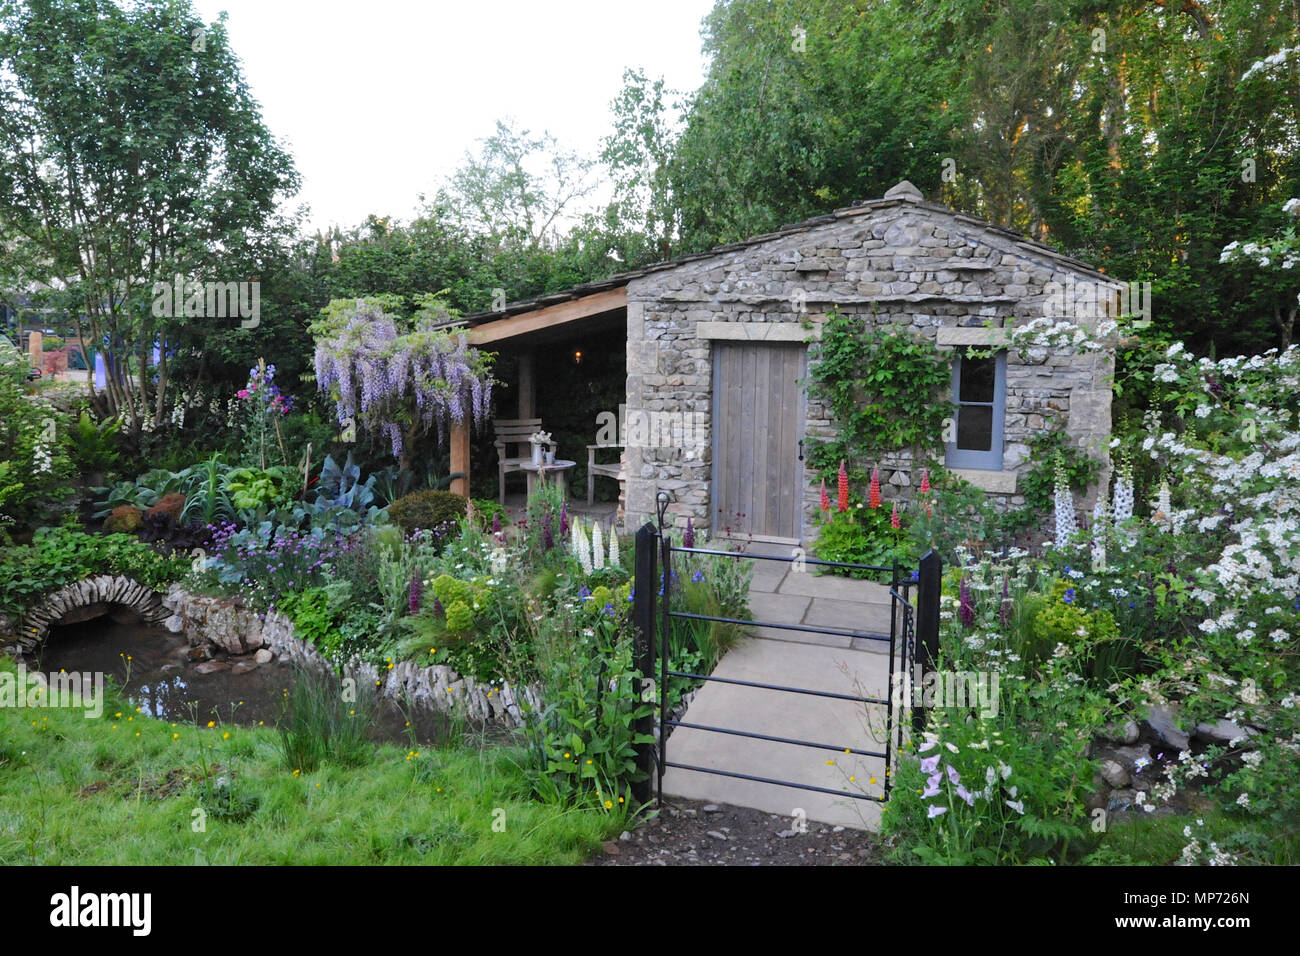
[
  {"x": 1122, "y": 503},
  {"x": 1161, "y": 512},
  {"x": 1065, "y": 523},
  {"x": 1099, "y": 522}
]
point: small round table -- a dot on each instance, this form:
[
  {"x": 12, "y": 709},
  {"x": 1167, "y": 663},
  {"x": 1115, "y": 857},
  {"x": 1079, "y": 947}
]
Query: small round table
[{"x": 557, "y": 467}]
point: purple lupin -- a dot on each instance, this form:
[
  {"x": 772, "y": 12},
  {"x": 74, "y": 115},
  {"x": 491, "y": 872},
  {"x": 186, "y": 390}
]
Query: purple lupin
[
  {"x": 967, "y": 609},
  {"x": 415, "y": 592}
]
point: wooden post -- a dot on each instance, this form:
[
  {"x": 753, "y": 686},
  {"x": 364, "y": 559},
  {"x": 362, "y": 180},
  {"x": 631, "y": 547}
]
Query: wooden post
[
  {"x": 928, "y": 587},
  {"x": 643, "y": 616},
  {"x": 527, "y": 386},
  {"x": 460, "y": 458}
]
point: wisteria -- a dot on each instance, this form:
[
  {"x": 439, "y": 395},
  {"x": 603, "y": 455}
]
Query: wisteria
[{"x": 399, "y": 384}]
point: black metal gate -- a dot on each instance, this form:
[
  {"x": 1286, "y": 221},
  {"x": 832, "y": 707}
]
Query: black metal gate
[{"x": 912, "y": 639}]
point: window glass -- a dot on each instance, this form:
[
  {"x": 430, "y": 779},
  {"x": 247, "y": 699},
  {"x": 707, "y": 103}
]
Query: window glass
[
  {"x": 977, "y": 378},
  {"x": 975, "y": 428}
]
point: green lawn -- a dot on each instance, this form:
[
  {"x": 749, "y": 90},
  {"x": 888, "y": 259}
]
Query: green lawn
[{"x": 124, "y": 790}]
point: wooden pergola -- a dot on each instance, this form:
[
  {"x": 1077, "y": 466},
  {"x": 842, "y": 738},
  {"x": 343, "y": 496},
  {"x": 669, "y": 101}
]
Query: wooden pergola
[{"x": 525, "y": 325}]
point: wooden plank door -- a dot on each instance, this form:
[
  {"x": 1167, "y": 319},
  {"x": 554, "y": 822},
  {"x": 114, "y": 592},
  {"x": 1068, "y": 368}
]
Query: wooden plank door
[{"x": 758, "y": 416}]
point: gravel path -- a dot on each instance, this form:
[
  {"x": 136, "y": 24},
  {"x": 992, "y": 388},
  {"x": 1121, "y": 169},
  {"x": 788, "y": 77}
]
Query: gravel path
[{"x": 688, "y": 833}]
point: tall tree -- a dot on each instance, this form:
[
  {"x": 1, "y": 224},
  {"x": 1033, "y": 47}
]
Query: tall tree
[{"x": 131, "y": 151}]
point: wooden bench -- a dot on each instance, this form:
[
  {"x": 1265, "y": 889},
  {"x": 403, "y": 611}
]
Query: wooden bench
[
  {"x": 612, "y": 470},
  {"x": 516, "y": 432}
]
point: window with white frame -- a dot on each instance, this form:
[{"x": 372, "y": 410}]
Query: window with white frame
[{"x": 979, "y": 396}]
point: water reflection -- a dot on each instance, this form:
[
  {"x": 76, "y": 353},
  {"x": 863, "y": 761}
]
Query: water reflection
[{"x": 155, "y": 669}]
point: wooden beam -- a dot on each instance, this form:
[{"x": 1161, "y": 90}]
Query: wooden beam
[
  {"x": 548, "y": 317},
  {"x": 460, "y": 458}
]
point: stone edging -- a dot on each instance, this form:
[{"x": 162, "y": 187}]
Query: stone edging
[{"x": 221, "y": 624}]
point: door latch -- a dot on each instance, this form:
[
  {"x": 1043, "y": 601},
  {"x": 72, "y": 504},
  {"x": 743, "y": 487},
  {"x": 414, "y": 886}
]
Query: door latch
[{"x": 801, "y": 449}]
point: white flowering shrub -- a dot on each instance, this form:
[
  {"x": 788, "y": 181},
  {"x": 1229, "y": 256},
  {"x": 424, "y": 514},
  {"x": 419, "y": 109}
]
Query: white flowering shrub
[
  {"x": 33, "y": 451},
  {"x": 1184, "y": 593}
]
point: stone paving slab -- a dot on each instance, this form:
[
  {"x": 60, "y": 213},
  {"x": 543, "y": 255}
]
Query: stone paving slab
[
  {"x": 798, "y": 716},
  {"x": 783, "y": 608},
  {"x": 767, "y": 576},
  {"x": 837, "y": 589},
  {"x": 848, "y": 615}
]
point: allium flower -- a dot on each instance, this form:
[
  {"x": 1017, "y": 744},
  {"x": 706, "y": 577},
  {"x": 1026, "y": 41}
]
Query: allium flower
[
  {"x": 873, "y": 495},
  {"x": 842, "y": 502}
]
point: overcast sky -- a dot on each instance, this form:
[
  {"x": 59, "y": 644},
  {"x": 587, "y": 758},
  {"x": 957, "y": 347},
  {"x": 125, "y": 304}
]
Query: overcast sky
[{"x": 378, "y": 100}]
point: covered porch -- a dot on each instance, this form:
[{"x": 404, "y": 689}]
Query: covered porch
[{"x": 562, "y": 360}]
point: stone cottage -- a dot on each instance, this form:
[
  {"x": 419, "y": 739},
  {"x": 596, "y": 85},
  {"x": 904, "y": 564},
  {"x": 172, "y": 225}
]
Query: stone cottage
[{"x": 717, "y": 412}]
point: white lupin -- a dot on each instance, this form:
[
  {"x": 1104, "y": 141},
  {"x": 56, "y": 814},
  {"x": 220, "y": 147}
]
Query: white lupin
[
  {"x": 597, "y": 547},
  {"x": 613, "y": 547}
]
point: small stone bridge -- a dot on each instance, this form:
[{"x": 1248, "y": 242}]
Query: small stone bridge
[{"x": 115, "y": 596}]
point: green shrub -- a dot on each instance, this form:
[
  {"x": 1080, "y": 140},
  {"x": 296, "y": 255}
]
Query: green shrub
[
  {"x": 427, "y": 510},
  {"x": 60, "y": 556},
  {"x": 485, "y": 509},
  {"x": 124, "y": 519},
  {"x": 861, "y": 536}
]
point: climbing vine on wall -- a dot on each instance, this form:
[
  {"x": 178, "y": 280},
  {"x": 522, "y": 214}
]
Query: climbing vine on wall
[{"x": 887, "y": 391}]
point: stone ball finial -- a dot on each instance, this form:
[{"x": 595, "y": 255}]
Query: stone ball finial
[{"x": 905, "y": 190}]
